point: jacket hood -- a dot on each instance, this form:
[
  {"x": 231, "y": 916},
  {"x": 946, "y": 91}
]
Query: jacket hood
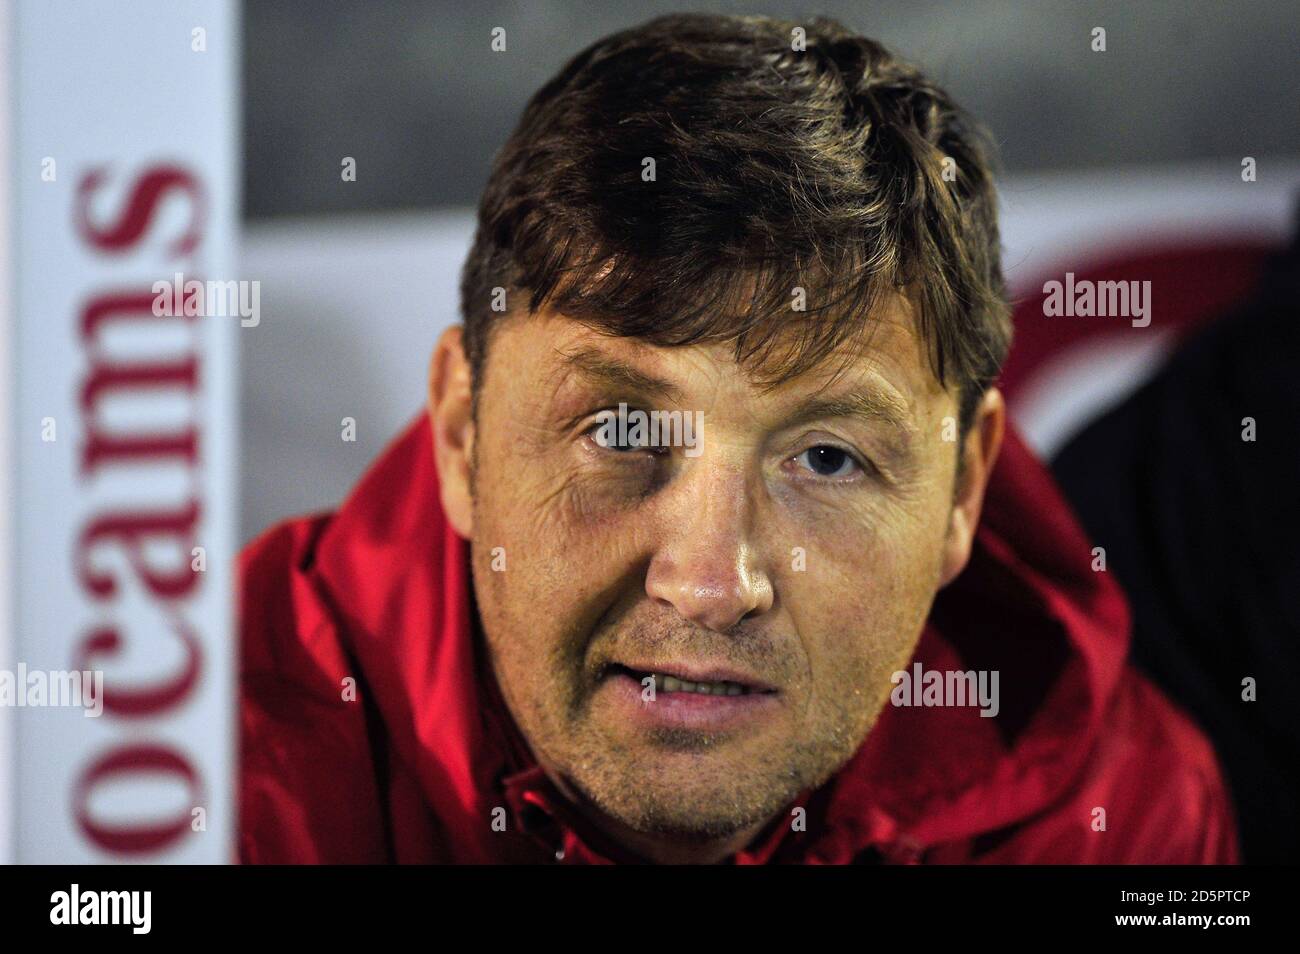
[{"x": 396, "y": 579}]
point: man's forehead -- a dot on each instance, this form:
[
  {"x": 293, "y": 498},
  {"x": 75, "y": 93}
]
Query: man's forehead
[{"x": 889, "y": 347}]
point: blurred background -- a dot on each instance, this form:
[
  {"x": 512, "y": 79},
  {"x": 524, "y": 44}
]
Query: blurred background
[{"x": 414, "y": 86}]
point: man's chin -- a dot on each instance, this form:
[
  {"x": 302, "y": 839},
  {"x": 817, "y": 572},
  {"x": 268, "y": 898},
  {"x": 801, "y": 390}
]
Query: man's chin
[
  {"x": 687, "y": 796},
  {"x": 688, "y": 821}
]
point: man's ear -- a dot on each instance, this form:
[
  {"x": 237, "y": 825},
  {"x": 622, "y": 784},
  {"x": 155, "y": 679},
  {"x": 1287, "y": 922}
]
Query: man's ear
[
  {"x": 451, "y": 417},
  {"x": 979, "y": 454}
]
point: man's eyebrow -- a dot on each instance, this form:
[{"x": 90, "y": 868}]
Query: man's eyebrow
[
  {"x": 867, "y": 403},
  {"x": 614, "y": 373}
]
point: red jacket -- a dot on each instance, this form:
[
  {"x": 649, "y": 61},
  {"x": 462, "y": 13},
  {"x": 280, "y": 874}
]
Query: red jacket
[{"x": 416, "y": 763}]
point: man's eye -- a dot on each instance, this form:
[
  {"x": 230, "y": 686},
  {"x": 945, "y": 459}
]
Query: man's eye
[
  {"x": 629, "y": 446},
  {"x": 828, "y": 461},
  {"x": 608, "y": 438}
]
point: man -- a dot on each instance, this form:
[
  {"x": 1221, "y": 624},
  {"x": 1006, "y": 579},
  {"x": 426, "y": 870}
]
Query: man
[{"x": 543, "y": 630}]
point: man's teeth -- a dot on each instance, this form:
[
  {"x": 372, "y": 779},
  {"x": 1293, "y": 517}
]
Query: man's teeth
[{"x": 673, "y": 684}]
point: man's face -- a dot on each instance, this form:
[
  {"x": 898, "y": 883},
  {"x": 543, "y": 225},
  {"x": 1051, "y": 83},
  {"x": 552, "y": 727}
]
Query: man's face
[{"x": 787, "y": 567}]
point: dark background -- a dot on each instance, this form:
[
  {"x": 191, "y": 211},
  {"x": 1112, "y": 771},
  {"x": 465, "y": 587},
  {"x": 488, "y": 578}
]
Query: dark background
[{"x": 412, "y": 90}]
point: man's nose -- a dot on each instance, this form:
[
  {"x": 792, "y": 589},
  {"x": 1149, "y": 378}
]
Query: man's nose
[{"x": 710, "y": 569}]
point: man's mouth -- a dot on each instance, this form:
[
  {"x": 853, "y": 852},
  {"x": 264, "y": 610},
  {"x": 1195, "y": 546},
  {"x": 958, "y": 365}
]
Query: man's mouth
[
  {"x": 676, "y": 678},
  {"x": 695, "y": 697}
]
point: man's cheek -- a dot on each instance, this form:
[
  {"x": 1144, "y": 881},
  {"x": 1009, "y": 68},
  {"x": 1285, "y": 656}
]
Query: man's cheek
[
  {"x": 557, "y": 505},
  {"x": 869, "y": 605},
  {"x": 525, "y": 518}
]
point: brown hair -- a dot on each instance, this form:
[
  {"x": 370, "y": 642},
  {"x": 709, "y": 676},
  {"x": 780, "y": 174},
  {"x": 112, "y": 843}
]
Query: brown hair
[{"x": 775, "y": 169}]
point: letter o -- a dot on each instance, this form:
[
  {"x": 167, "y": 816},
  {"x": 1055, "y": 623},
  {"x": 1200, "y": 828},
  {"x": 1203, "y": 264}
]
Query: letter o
[{"x": 138, "y": 838}]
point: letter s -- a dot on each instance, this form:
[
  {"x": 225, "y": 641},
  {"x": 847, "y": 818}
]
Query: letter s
[{"x": 149, "y": 191}]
